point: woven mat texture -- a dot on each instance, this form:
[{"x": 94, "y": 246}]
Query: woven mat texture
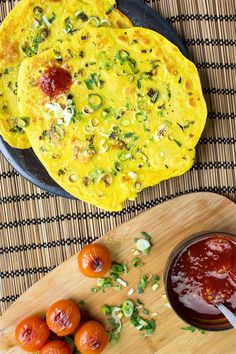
[{"x": 38, "y": 230}]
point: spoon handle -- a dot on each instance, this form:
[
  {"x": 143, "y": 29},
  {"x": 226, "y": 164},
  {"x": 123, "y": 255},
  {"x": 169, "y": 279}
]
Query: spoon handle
[{"x": 228, "y": 314}]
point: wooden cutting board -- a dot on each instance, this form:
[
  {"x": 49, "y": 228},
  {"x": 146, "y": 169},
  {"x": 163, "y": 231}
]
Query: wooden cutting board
[{"x": 168, "y": 224}]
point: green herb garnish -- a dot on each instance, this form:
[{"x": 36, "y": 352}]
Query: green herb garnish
[
  {"x": 102, "y": 284},
  {"x": 13, "y": 87},
  {"x": 148, "y": 326},
  {"x": 137, "y": 262},
  {"x": 128, "y": 308},
  {"x": 80, "y": 15},
  {"x": 106, "y": 310},
  {"x": 93, "y": 81},
  {"x": 144, "y": 244},
  {"x": 145, "y": 312},
  {"x": 146, "y": 235},
  {"x": 117, "y": 269},
  {"x": 19, "y": 125},
  {"x": 94, "y": 101},
  {"x": 109, "y": 11},
  {"x": 123, "y": 56},
  {"x": 155, "y": 282},
  {"x": 177, "y": 142},
  {"x": 144, "y": 281},
  {"x": 193, "y": 329},
  {"x": 97, "y": 174},
  {"x": 68, "y": 26},
  {"x": 153, "y": 94}
]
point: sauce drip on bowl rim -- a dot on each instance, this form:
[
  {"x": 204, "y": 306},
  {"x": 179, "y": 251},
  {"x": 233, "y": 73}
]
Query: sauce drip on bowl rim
[
  {"x": 202, "y": 275},
  {"x": 55, "y": 81}
]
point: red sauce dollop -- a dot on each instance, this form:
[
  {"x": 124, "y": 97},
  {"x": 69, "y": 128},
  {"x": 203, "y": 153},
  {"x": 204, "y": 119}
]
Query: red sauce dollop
[
  {"x": 204, "y": 274},
  {"x": 55, "y": 81}
]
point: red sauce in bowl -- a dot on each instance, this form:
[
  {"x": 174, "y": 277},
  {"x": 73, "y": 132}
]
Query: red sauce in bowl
[
  {"x": 55, "y": 81},
  {"x": 203, "y": 274}
]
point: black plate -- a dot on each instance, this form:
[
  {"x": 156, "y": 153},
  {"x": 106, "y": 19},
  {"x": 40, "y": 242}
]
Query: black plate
[{"x": 25, "y": 161}]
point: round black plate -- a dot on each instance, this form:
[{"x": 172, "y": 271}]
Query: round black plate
[{"x": 25, "y": 161}]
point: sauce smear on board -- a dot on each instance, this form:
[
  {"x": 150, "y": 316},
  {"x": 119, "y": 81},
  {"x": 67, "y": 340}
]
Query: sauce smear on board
[{"x": 204, "y": 274}]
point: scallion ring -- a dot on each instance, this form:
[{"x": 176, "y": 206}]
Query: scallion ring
[{"x": 94, "y": 101}]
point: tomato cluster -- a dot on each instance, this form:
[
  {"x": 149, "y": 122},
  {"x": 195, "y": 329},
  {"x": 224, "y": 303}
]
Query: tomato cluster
[{"x": 63, "y": 317}]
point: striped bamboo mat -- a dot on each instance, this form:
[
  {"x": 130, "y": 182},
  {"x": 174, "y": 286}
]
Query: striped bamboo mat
[{"x": 38, "y": 231}]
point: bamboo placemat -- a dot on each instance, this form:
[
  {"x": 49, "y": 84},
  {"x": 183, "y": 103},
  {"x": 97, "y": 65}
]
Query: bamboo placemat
[{"x": 38, "y": 231}]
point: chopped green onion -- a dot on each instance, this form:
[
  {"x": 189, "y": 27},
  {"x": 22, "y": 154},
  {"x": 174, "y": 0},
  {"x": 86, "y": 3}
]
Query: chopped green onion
[
  {"x": 155, "y": 286},
  {"x": 106, "y": 310},
  {"x": 95, "y": 290},
  {"x": 131, "y": 291},
  {"x": 44, "y": 33},
  {"x": 177, "y": 142},
  {"x": 153, "y": 94},
  {"x": 38, "y": 12},
  {"x": 122, "y": 56},
  {"x": 155, "y": 282},
  {"x": 146, "y": 235},
  {"x": 132, "y": 65},
  {"x": 124, "y": 156},
  {"x": 143, "y": 245},
  {"x": 68, "y": 26},
  {"x": 119, "y": 268},
  {"x": 105, "y": 23},
  {"x": 46, "y": 21},
  {"x": 193, "y": 329},
  {"x": 79, "y": 15},
  {"x": 95, "y": 101},
  {"x": 93, "y": 80},
  {"x": 128, "y": 308},
  {"x": 117, "y": 287},
  {"x": 145, "y": 312},
  {"x": 57, "y": 55},
  {"x": 94, "y": 20},
  {"x": 97, "y": 174},
  {"x": 141, "y": 117},
  {"x": 121, "y": 282},
  {"x": 59, "y": 131},
  {"x": 144, "y": 281},
  {"x": 82, "y": 303},
  {"x": 137, "y": 263}
]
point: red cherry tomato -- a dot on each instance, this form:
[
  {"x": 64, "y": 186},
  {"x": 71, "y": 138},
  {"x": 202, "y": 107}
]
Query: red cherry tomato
[
  {"x": 56, "y": 347},
  {"x": 63, "y": 317},
  {"x": 91, "y": 338},
  {"x": 31, "y": 333},
  {"x": 94, "y": 260}
]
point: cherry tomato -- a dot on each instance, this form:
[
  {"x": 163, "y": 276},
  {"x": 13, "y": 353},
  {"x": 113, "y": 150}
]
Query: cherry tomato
[
  {"x": 94, "y": 260},
  {"x": 56, "y": 347},
  {"x": 91, "y": 338},
  {"x": 63, "y": 317},
  {"x": 31, "y": 333}
]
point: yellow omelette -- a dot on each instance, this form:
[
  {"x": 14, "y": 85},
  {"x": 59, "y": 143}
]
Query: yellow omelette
[
  {"x": 123, "y": 110},
  {"x": 32, "y": 27}
]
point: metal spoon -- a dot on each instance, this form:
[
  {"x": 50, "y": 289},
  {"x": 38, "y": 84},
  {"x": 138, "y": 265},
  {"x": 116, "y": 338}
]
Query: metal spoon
[{"x": 228, "y": 314}]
